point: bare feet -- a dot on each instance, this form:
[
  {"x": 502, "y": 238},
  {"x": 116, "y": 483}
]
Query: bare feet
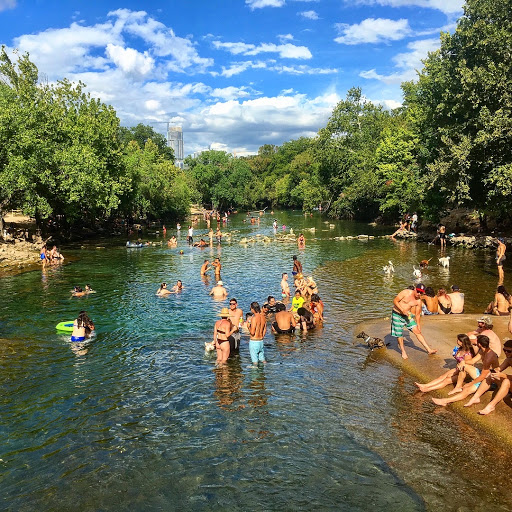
[
  {"x": 454, "y": 391},
  {"x": 440, "y": 401},
  {"x": 421, "y": 387},
  {"x": 432, "y": 352},
  {"x": 404, "y": 356},
  {"x": 486, "y": 410},
  {"x": 473, "y": 401}
]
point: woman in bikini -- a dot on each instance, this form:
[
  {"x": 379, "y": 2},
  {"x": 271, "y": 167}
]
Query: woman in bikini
[
  {"x": 445, "y": 303},
  {"x": 464, "y": 354},
  {"x": 501, "y": 304},
  {"x": 82, "y": 327},
  {"x": 221, "y": 332}
]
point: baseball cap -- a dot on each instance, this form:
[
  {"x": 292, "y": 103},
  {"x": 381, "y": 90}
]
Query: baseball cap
[
  {"x": 420, "y": 288},
  {"x": 455, "y": 288},
  {"x": 485, "y": 319},
  {"x": 220, "y": 283}
]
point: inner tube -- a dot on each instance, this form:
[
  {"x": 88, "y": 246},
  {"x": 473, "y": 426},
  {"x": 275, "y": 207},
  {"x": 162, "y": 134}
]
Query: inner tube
[{"x": 65, "y": 326}]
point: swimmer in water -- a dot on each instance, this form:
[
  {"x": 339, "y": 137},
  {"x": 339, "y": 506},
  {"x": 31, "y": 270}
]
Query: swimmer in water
[
  {"x": 178, "y": 287},
  {"x": 218, "y": 291},
  {"x": 163, "y": 291},
  {"x": 82, "y": 327},
  {"x": 285, "y": 288},
  {"x": 205, "y": 267}
]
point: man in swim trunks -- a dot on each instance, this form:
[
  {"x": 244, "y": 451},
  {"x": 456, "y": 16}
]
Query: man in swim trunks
[
  {"x": 285, "y": 288},
  {"x": 217, "y": 266},
  {"x": 489, "y": 362},
  {"x": 297, "y": 266},
  {"x": 218, "y": 291},
  {"x": 257, "y": 331},
  {"x": 205, "y": 267},
  {"x": 284, "y": 322},
  {"x": 236, "y": 315},
  {"x": 500, "y": 257},
  {"x": 494, "y": 378},
  {"x": 407, "y": 313}
]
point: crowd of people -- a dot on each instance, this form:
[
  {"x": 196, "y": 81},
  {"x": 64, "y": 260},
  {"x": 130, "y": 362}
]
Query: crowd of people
[
  {"x": 476, "y": 367},
  {"x": 303, "y": 311}
]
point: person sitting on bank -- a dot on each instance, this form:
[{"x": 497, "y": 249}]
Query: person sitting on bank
[
  {"x": 163, "y": 291},
  {"x": 284, "y": 322},
  {"x": 485, "y": 327},
  {"x": 430, "y": 301},
  {"x": 457, "y": 298},
  {"x": 498, "y": 377},
  {"x": 489, "y": 362},
  {"x": 82, "y": 327},
  {"x": 444, "y": 302},
  {"x": 464, "y": 353},
  {"x": 501, "y": 304}
]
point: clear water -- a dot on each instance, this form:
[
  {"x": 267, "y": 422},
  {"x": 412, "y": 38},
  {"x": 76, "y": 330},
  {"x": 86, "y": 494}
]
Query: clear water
[{"x": 141, "y": 419}]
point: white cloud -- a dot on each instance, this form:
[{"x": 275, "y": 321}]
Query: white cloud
[
  {"x": 406, "y": 63},
  {"x": 285, "y": 37},
  {"x": 286, "y": 51},
  {"x": 129, "y": 60},
  {"x": 259, "y": 4},
  {"x": 302, "y": 70},
  {"x": 373, "y": 30},
  {"x": 445, "y": 6},
  {"x": 310, "y": 15},
  {"x": 7, "y": 4},
  {"x": 152, "y": 104},
  {"x": 230, "y": 93}
]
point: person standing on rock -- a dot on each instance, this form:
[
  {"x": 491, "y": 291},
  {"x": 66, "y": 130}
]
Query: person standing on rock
[{"x": 407, "y": 313}]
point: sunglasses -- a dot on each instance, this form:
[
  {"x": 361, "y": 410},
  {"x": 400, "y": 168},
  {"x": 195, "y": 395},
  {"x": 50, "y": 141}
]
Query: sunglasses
[{"x": 507, "y": 350}]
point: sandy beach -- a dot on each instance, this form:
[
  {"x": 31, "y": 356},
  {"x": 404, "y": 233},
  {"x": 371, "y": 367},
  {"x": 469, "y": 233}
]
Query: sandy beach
[{"x": 440, "y": 331}]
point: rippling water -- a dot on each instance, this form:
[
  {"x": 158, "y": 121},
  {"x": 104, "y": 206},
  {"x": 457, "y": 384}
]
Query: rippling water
[{"x": 140, "y": 418}]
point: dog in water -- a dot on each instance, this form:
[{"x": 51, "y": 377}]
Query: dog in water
[
  {"x": 371, "y": 341},
  {"x": 209, "y": 346},
  {"x": 444, "y": 261},
  {"x": 389, "y": 268}
]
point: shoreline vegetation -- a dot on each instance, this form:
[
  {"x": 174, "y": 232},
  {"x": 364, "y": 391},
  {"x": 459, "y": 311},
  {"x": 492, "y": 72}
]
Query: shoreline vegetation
[{"x": 66, "y": 161}]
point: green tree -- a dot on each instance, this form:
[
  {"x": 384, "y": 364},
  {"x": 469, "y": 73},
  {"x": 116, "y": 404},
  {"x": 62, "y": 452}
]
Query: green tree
[
  {"x": 60, "y": 154},
  {"x": 141, "y": 134},
  {"x": 464, "y": 102}
]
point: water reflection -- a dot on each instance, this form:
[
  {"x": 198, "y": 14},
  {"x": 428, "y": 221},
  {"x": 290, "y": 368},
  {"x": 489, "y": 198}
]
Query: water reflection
[{"x": 228, "y": 384}]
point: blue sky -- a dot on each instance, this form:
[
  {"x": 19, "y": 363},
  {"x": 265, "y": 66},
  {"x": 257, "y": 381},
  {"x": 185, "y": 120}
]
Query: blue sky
[{"x": 235, "y": 74}]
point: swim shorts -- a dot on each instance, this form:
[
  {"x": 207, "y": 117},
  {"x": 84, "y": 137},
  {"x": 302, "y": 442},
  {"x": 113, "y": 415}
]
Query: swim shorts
[
  {"x": 256, "y": 351},
  {"x": 291, "y": 330},
  {"x": 500, "y": 261},
  {"x": 398, "y": 322},
  {"x": 234, "y": 341}
]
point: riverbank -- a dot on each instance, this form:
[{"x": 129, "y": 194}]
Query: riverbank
[{"x": 440, "y": 332}]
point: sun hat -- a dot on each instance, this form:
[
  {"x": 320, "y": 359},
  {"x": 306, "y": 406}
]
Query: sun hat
[
  {"x": 219, "y": 283},
  {"x": 224, "y": 312},
  {"x": 485, "y": 319}
]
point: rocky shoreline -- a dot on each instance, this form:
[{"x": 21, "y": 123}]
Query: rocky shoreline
[
  {"x": 19, "y": 255},
  {"x": 459, "y": 240}
]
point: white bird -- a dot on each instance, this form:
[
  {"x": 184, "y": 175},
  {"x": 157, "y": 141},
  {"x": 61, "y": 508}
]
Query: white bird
[
  {"x": 416, "y": 273},
  {"x": 389, "y": 268}
]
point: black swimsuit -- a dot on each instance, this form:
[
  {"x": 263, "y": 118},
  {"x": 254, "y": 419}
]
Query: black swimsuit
[
  {"x": 220, "y": 342},
  {"x": 445, "y": 309},
  {"x": 278, "y": 330}
]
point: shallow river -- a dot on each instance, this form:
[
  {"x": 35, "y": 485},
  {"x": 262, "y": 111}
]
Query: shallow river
[{"x": 140, "y": 418}]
